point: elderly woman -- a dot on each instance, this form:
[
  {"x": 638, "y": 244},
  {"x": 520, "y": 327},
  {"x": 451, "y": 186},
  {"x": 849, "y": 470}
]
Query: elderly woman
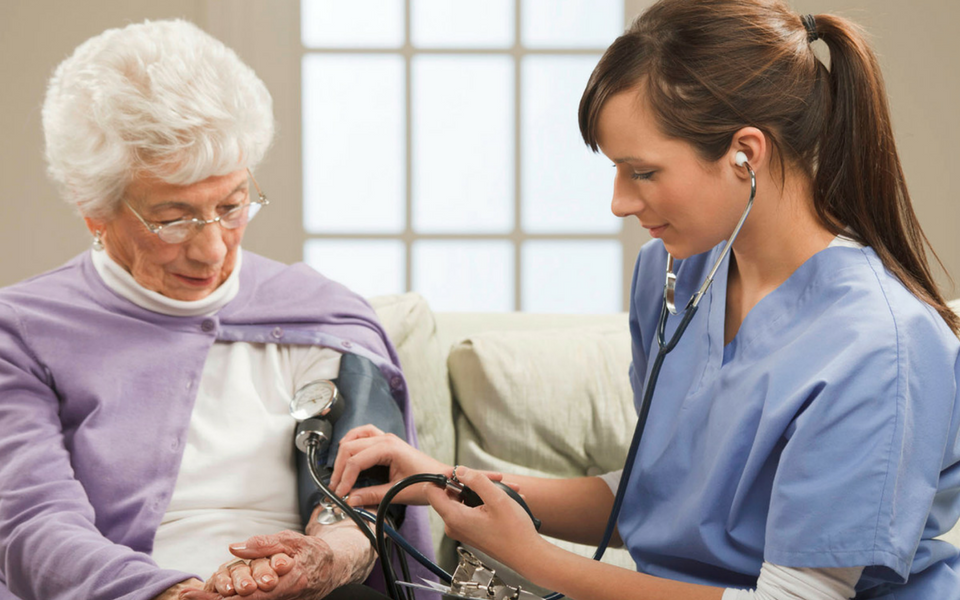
[{"x": 145, "y": 384}]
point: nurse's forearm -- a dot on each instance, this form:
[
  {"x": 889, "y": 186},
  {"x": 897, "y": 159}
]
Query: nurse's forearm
[
  {"x": 577, "y": 577},
  {"x": 571, "y": 509}
]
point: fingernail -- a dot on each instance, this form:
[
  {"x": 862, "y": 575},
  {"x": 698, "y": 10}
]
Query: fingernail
[
  {"x": 281, "y": 564},
  {"x": 247, "y": 584},
  {"x": 228, "y": 587},
  {"x": 266, "y": 579},
  {"x": 238, "y": 546}
]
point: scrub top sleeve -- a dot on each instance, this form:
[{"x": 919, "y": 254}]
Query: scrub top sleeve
[{"x": 861, "y": 460}]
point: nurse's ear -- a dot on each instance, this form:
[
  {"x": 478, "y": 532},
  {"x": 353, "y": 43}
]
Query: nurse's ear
[{"x": 750, "y": 144}]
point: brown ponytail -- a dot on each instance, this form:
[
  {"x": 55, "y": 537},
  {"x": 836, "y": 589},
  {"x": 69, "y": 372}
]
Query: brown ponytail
[
  {"x": 712, "y": 67},
  {"x": 859, "y": 180}
]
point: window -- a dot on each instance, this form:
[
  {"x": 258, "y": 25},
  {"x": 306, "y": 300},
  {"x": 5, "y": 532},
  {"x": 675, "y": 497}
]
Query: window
[{"x": 441, "y": 152}]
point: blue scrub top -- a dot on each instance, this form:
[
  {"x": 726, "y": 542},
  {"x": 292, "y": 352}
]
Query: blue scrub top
[{"x": 824, "y": 435}]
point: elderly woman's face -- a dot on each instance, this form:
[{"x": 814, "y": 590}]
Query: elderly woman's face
[{"x": 190, "y": 270}]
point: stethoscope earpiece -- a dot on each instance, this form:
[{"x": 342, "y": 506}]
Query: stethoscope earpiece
[{"x": 741, "y": 159}]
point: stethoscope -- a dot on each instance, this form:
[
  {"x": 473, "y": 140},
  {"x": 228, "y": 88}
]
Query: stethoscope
[{"x": 315, "y": 412}]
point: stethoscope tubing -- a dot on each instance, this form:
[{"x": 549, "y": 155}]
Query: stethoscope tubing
[{"x": 664, "y": 349}]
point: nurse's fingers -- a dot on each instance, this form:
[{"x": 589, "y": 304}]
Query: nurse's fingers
[
  {"x": 361, "y": 432},
  {"x": 345, "y": 467},
  {"x": 402, "y": 458}
]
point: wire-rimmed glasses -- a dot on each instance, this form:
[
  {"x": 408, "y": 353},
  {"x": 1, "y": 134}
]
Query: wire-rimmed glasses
[{"x": 184, "y": 230}]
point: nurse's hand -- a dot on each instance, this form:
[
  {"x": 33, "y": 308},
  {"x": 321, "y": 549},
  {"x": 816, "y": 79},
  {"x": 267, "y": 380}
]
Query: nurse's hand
[
  {"x": 499, "y": 527},
  {"x": 366, "y": 446}
]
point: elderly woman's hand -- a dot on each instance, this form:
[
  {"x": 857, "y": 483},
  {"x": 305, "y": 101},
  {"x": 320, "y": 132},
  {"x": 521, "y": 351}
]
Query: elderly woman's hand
[
  {"x": 314, "y": 568},
  {"x": 240, "y": 577},
  {"x": 172, "y": 592}
]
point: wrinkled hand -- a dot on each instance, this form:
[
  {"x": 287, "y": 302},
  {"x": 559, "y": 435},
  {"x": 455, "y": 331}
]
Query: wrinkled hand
[
  {"x": 366, "y": 446},
  {"x": 173, "y": 592},
  {"x": 243, "y": 578},
  {"x": 312, "y": 572},
  {"x": 499, "y": 527}
]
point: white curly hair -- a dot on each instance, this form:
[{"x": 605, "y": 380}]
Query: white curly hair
[{"x": 162, "y": 98}]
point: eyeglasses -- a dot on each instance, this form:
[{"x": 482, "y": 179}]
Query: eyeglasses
[{"x": 184, "y": 230}]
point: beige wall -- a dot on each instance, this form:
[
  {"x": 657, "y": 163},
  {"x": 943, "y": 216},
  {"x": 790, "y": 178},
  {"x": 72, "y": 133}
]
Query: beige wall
[{"x": 919, "y": 51}]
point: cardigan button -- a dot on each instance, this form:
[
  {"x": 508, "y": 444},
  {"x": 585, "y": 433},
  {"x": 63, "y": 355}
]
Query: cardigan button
[
  {"x": 346, "y": 344},
  {"x": 396, "y": 382},
  {"x": 277, "y": 332},
  {"x": 208, "y": 325}
]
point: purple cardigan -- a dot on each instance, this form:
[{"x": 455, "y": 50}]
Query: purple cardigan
[{"x": 96, "y": 395}]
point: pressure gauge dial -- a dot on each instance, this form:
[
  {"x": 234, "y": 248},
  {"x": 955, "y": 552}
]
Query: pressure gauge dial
[{"x": 316, "y": 399}]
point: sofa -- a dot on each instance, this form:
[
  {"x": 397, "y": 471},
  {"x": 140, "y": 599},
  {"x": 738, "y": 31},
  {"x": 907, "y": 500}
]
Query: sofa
[{"x": 534, "y": 394}]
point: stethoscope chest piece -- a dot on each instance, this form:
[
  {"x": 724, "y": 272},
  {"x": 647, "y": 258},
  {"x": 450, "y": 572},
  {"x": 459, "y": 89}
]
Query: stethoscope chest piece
[{"x": 670, "y": 287}]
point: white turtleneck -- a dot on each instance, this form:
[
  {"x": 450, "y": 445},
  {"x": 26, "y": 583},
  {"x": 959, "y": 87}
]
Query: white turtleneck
[{"x": 237, "y": 476}]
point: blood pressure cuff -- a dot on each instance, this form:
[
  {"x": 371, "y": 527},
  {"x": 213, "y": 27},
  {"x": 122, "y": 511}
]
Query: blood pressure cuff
[{"x": 366, "y": 396}]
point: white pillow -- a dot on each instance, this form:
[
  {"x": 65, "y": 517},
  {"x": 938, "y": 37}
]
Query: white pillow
[{"x": 551, "y": 402}]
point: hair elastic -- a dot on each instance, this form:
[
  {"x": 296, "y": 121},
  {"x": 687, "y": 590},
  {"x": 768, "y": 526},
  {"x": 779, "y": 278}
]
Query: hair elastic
[{"x": 810, "y": 23}]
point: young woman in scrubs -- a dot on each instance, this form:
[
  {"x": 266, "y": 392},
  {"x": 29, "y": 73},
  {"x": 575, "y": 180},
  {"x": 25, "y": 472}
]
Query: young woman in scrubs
[{"x": 803, "y": 438}]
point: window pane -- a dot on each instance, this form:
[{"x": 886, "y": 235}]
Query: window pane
[
  {"x": 572, "y": 276},
  {"x": 464, "y": 276},
  {"x": 354, "y": 148},
  {"x": 339, "y": 24},
  {"x": 571, "y": 23},
  {"x": 368, "y": 267},
  {"x": 565, "y": 186},
  {"x": 446, "y": 24},
  {"x": 463, "y": 144}
]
